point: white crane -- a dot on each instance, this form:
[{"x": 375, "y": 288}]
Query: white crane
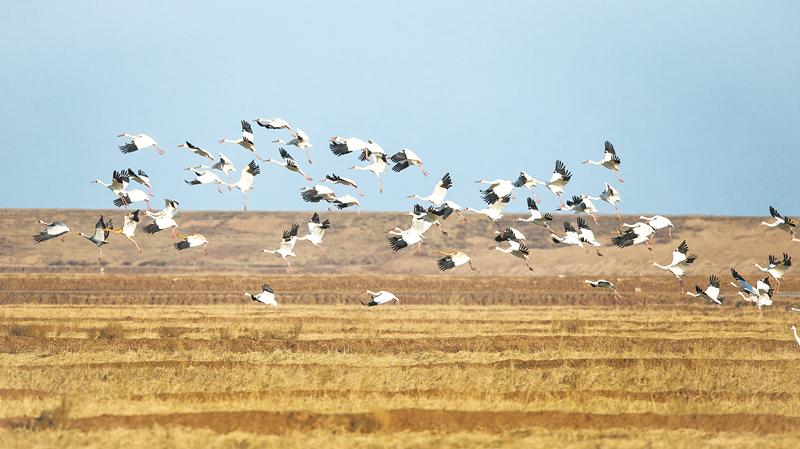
[
  {"x": 286, "y": 249},
  {"x": 273, "y": 123},
  {"x": 560, "y": 178},
  {"x": 376, "y": 166},
  {"x": 711, "y": 293},
  {"x": 422, "y": 219},
  {"x": 602, "y": 283},
  {"x": 454, "y": 259},
  {"x": 537, "y": 217},
  {"x": 658, "y": 222},
  {"x": 246, "y": 178},
  {"x": 760, "y": 295},
  {"x": 197, "y": 150},
  {"x": 381, "y": 297},
  {"x": 100, "y": 236},
  {"x": 300, "y": 140},
  {"x": 139, "y": 142},
  {"x": 571, "y": 237},
  {"x": 509, "y": 234},
  {"x": 587, "y": 235},
  {"x": 346, "y": 145},
  {"x": 345, "y": 201},
  {"x": 581, "y": 204},
  {"x": 611, "y": 196},
  {"x": 783, "y": 223},
  {"x": 495, "y": 211},
  {"x": 777, "y": 268},
  {"x": 518, "y": 250},
  {"x": 119, "y": 182},
  {"x": 163, "y": 219},
  {"x": 498, "y": 188},
  {"x": 637, "y": 234},
  {"x": 246, "y": 141},
  {"x": 128, "y": 197},
  {"x": 335, "y": 179},
  {"x": 439, "y": 191},
  {"x": 318, "y": 193},
  {"x": 316, "y": 232},
  {"x": 128, "y": 228},
  {"x": 405, "y": 158},
  {"x": 52, "y": 230},
  {"x": 266, "y": 296},
  {"x": 225, "y": 164},
  {"x": 289, "y": 163},
  {"x": 192, "y": 241},
  {"x": 399, "y": 239},
  {"x": 207, "y": 177},
  {"x": 529, "y": 182},
  {"x": 610, "y": 160},
  {"x": 681, "y": 262},
  {"x": 142, "y": 178}
]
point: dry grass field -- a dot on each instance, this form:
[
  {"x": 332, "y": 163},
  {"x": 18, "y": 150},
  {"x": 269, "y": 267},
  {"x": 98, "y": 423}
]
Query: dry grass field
[{"x": 186, "y": 361}]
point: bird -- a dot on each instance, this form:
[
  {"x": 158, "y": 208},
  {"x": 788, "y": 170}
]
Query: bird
[
  {"x": 783, "y": 223},
  {"x": 318, "y": 193},
  {"x": 581, "y": 204},
  {"x": 246, "y": 178},
  {"x": 658, "y": 222},
  {"x": 537, "y": 217},
  {"x": 376, "y": 166},
  {"x": 587, "y": 235},
  {"x": 52, "y": 230},
  {"x": 495, "y": 211},
  {"x": 316, "y": 231},
  {"x": 422, "y": 219},
  {"x": 128, "y": 197},
  {"x": 341, "y": 146},
  {"x": 288, "y": 163},
  {"x": 711, "y": 293},
  {"x": 439, "y": 191},
  {"x": 404, "y": 158},
  {"x": 345, "y": 201},
  {"x": 611, "y": 196},
  {"x": 681, "y": 262},
  {"x": 560, "y": 178},
  {"x": 777, "y": 268},
  {"x": 796, "y": 337},
  {"x": 760, "y": 295},
  {"x": 610, "y": 160},
  {"x": 529, "y": 182},
  {"x": 139, "y": 142},
  {"x": 300, "y": 140},
  {"x": 454, "y": 259},
  {"x": 163, "y": 219},
  {"x": 498, "y": 188},
  {"x": 448, "y": 207},
  {"x": 100, "y": 236},
  {"x": 197, "y": 150},
  {"x": 142, "y": 178},
  {"x": 371, "y": 149},
  {"x": 119, "y": 182},
  {"x": 192, "y": 241},
  {"x": 602, "y": 283},
  {"x": 273, "y": 123},
  {"x": 286, "y": 249},
  {"x": 381, "y": 297},
  {"x": 399, "y": 239},
  {"x": 224, "y": 164},
  {"x": 207, "y": 177},
  {"x": 266, "y": 296},
  {"x": 335, "y": 179},
  {"x": 509, "y": 234},
  {"x": 571, "y": 236},
  {"x": 246, "y": 141},
  {"x": 637, "y": 234},
  {"x": 517, "y": 249},
  {"x": 128, "y": 230}
]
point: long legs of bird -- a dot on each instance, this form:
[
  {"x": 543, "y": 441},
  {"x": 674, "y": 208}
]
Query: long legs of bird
[
  {"x": 288, "y": 265},
  {"x": 461, "y": 218},
  {"x": 527, "y": 264},
  {"x": 594, "y": 217},
  {"x": 424, "y": 172},
  {"x": 245, "y": 202},
  {"x": 322, "y": 250},
  {"x": 439, "y": 226},
  {"x": 419, "y": 248},
  {"x": 472, "y": 267},
  {"x": 397, "y": 303},
  {"x": 619, "y": 215},
  {"x": 380, "y": 184},
  {"x": 135, "y": 244}
]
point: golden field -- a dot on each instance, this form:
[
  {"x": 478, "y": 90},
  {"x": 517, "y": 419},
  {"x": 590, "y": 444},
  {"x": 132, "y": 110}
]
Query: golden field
[{"x": 187, "y": 361}]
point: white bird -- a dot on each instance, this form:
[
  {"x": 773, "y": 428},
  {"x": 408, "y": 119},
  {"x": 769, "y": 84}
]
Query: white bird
[
  {"x": 602, "y": 283},
  {"x": 711, "y": 293},
  {"x": 163, "y": 219},
  {"x": 454, "y": 259},
  {"x": 517, "y": 249},
  {"x": 197, "y": 150},
  {"x": 273, "y": 123},
  {"x": 224, "y": 164},
  {"x": 529, "y": 182},
  {"x": 336, "y": 179},
  {"x": 246, "y": 141},
  {"x": 266, "y": 296},
  {"x": 777, "y": 268},
  {"x": 381, "y": 297},
  {"x": 560, "y": 178},
  {"x": 783, "y": 223},
  {"x": 681, "y": 262},
  {"x": 128, "y": 228},
  {"x": 399, "y": 239},
  {"x": 637, "y": 234},
  {"x": 52, "y": 230},
  {"x": 509, "y": 234},
  {"x": 537, "y": 217},
  {"x": 450, "y": 207},
  {"x": 300, "y": 140},
  {"x": 207, "y": 177},
  {"x": 246, "y": 178},
  {"x": 139, "y": 142},
  {"x": 287, "y": 245},
  {"x": 128, "y": 197},
  {"x": 288, "y": 163},
  {"x": 316, "y": 232},
  {"x": 571, "y": 236},
  {"x": 760, "y": 295},
  {"x": 100, "y": 236},
  {"x": 611, "y": 196},
  {"x": 192, "y": 241},
  {"x": 587, "y": 235},
  {"x": 498, "y": 188},
  {"x": 422, "y": 219},
  {"x": 610, "y": 160},
  {"x": 658, "y": 222},
  {"x": 142, "y": 178},
  {"x": 345, "y": 201},
  {"x": 495, "y": 211},
  {"x": 439, "y": 191},
  {"x": 376, "y": 166},
  {"x": 346, "y": 145},
  {"x": 119, "y": 182},
  {"x": 318, "y": 193},
  {"x": 796, "y": 337},
  {"x": 404, "y": 158},
  {"x": 581, "y": 204}
]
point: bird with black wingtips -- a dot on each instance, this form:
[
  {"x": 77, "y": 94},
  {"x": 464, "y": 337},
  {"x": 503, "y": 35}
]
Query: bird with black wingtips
[
  {"x": 581, "y": 204},
  {"x": 498, "y": 188},
  {"x": 536, "y": 217},
  {"x": 777, "y": 268},
  {"x": 246, "y": 179},
  {"x": 602, "y": 283},
  {"x": 381, "y": 297},
  {"x": 571, "y": 237},
  {"x": 658, "y": 222},
  {"x": 142, "y": 178},
  {"x": 423, "y": 219},
  {"x": 406, "y": 158},
  {"x": 336, "y": 179},
  {"x": 610, "y": 160},
  {"x": 246, "y": 141},
  {"x": 636, "y": 234},
  {"x": 509, "y": 234},
  {"x": 560, "y": 178},
  {"x": 376, "y": 166},
  {"x": 454, "y": 259},
  {"x": 197, "y": 150},
  {"x": 288, "y": 163},
  {"x": 785, "y": 224},
  {"x": 273, "y": 123},
  {"x": 341, "y": 146},
  {"x": 681, "y": 262},
  {"x": 192, "y": 241},
  {"x": 286, "y": 249},
  {"x": 207, "y": 177},
  {"x": 266, "y": 296},
  {"x": 128, "y": 229},
  {"x": 316, "y": 232},
  {"x": 711, "y": 293},
  {"x": 516, "y": 249},
  {"x": 495, "y": 211},
  {"x": 611, "y": 196},
  {"x": 529, "y": 182},
  {"x": 439, "y": 191},
  {"x": 587, "y": 235},
  {"x": 100, "y": 236},
  {"x": 345, "y": 201},
  {"x": 119, "y": 182},
  {"x": 317, "y": 193},
  {"x": 402, "y": 238},
  {"x": 163, "y": 219},
  {"x": 139, "y": 142},
  {"x": 300, "y": 140},
  {"x": 760, "y": 295},
  {"x": 128, "y": 197},
  {"x": 52, "y": 230}
]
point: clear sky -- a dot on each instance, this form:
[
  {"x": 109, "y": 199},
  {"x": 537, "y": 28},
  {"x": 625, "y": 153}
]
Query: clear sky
[{"x": 701, "y": 99}]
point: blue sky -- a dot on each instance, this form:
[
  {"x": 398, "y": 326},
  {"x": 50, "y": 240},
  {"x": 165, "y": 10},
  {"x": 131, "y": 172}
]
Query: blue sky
[{"x": 701, "y": 99}]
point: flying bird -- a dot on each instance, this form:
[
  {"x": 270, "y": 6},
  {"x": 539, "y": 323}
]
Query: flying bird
[
  {"x": 376, "y": 166},
  {"x": 711, "y": 293},
  {"x": 119, "y": 182},
  {"x": 246, "y": 178},
  {"x": 381, "y": 297},
  {"x": 602, "y": 283},
  {"x": 345, "y": 201},
  {"x": 163, "y": 219},
  {"x": 192, "y": 241},
  {"x": 197, "y": 150},
  {"x": 139, "y": 142},
  {"x": 587, "y": 235},
  {"x": 681, "y": 262},
  {"x": 518, "y": 250},
  {"x": 266, "y": 296},
  {"x": 286, "y": 249},
  {"x": 658, "y": 222},
  {"x": 777, "y": 268},
  {"x": 495, "y": 211},
  {"x": 246, "y": 141},
  {"x": 571, "y": 237},
  {"x": 273, "y": 123},
  {"x": 529, "y": 182},
  {"x": 142, "y": 178},
  {"x": 318, "y": 193},
  {"x": 760, "y": 295},
  {"x": 399, "y": 239},
  {"x": 405, "y": 158},
  {"x": 288, "y": 163},
  {"x": 611, "y": 196},
  {"x": 610, "y": 160},
  {"x": 207, "y": 177},
  {"x": 783, "y": 223},
  {"x": 498, "y": 188},
  {"x": 128, "y": 228},
  {"x": 637, "y": 234},
  {"x": 341, "y": 146},
  {"x": 560, "y": 178},
  {"x": 454, "y": 259},
  {"x": 316, "y": 232},
  {"x": 100, "y": 236},
  {"x": 300, "y": 140},
  {"x": 537, "y": 217},
  {"x": 439, "y": 191},
  {"x": 335, "y": 179},
  {"x": 52, "y": 230}
]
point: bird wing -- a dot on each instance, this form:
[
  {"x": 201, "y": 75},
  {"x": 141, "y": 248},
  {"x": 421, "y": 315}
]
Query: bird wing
[
  {"x": 610, "y": 149},
  {"x": 743, "y": 284}
]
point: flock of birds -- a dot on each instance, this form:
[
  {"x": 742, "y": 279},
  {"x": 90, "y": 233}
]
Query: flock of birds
[{"x": 496, "y": 194}]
